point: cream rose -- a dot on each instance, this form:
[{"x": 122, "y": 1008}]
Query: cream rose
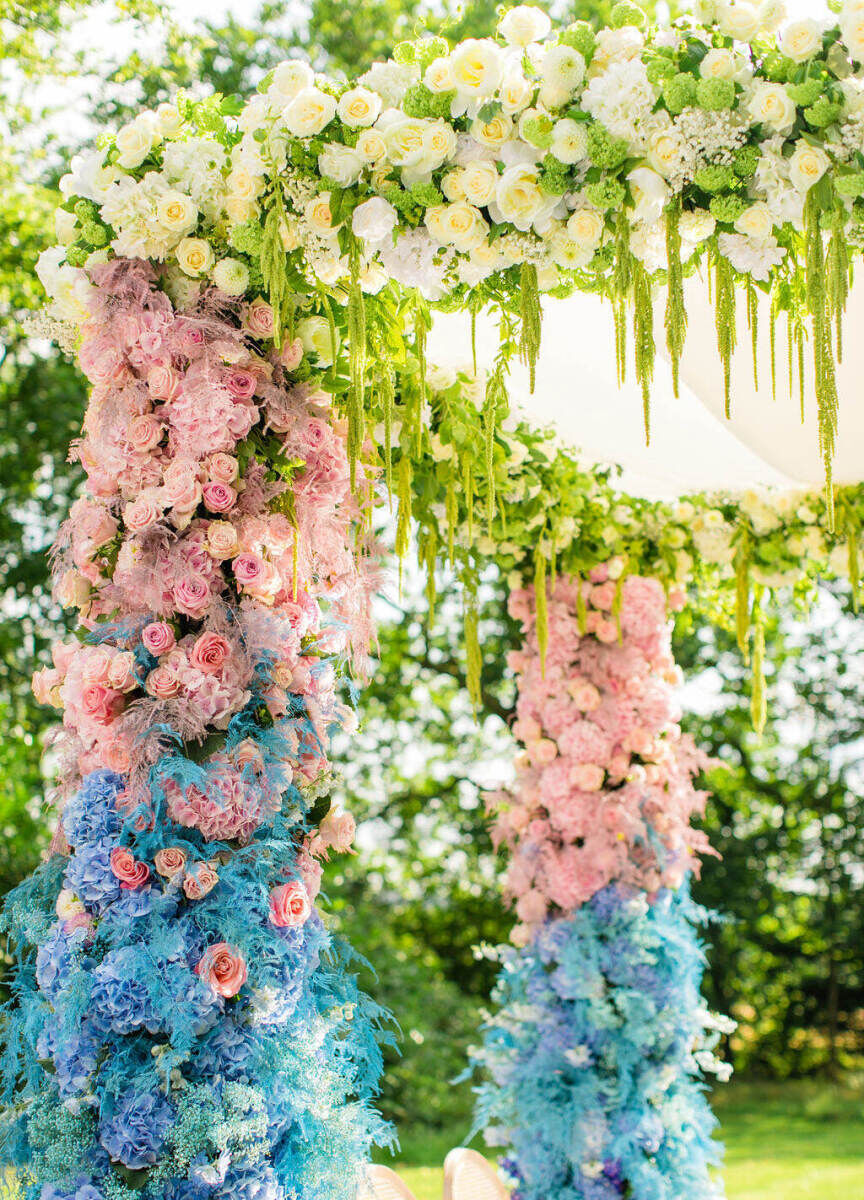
[
  {"x": 739, "y": 20},
  {"x": 439, "y": 144},
  {"x": 65, "y": 226},
  {"x": 314, "y": 333},
  {"x": 519, "y": 196},
  {"x": 135, "y": 140},
  {"x": 243, "y": 183},
  {"x": 476, "y": 67},
  {"x": 404, "y": 139},
  {"x": 317, "y": 214},
  {"x": 807, "y": 166},
  {"x": 585, "y": 227},
  {"x": 438, "y": 76},
  {"x": 371, "y": 146},
  {"x": 359, "y": 107},
  {"x": 772, "y": 105},
  {"x": 464, "y": 226},
  {"x": 451, "y": 185},
  {"x": 852, "y": 31},
  {"x": 515, "y": 93},
  {"x": 289, "y": 79},
  {"x": 696, "y": 226},
  {"x": 664, "y": 151},
  {"x": 177, "y": 212},
  {"x": 340, "y": 163},
  {"x": 194, "y": 256},
  {"x": 479, "y": 180},
  {"x": 168, "y": 120},
  {"x": 801, "y": 40},
  {"x": 493, "y": 133},
  {"x": 756, "y": 221},
  {"x": 309, "y": 112},
  {"x": 718, "y": 64},
  {"x": 523, "y": 25},
  {"x": 569, "y": 141}
]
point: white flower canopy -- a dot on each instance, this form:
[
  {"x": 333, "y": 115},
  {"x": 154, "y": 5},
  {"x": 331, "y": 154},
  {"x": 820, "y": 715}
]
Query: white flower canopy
[{"x": 693, "y": 445}]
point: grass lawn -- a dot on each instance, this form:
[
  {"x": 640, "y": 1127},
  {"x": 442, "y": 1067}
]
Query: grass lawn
[{"x": 795, "y": 1141}]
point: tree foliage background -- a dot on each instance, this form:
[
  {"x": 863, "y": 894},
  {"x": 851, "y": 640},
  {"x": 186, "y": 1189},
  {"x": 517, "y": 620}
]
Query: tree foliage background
[{"x": 421, "y": 900}]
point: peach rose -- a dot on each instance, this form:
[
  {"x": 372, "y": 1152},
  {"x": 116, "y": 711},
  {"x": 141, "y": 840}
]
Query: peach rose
[
  {"x": 101, "y": 704},
  {"x": 200, "y": 879},
  {"x": 222, "y": 966},
  {"x": 125, "y": 867},
  {"x": 170, "y": 861},
  {"x": 162, "y": 684}
]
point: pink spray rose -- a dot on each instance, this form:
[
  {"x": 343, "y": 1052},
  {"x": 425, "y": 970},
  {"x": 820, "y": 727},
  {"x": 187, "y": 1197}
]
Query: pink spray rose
[
  {"x": 289, "y": 905},
  {"x": 222, "y": 966},
  {"x": 163, "y": 382},
  {"x": 125, "y": 867},
  {"x": 291, "y": 354},
  {"x": 222, "y": 468},
  {"x": 144, "y": 433},
  {"x": 141, "y": 514}
]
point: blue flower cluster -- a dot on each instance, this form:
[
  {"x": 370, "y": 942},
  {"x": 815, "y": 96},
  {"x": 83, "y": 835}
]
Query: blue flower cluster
[{"x": 594, "y": 1059}]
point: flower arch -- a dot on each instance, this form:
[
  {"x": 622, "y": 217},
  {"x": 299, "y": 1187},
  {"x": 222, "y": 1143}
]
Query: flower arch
[{"x": 248, "y": 288}]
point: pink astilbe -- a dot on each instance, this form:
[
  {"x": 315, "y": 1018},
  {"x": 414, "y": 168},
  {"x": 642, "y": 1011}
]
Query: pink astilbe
[{"x": 604, "y": 787}]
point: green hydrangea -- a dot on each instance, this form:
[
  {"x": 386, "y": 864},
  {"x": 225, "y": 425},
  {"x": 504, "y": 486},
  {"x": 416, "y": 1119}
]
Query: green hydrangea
[
  {"x": 806, "y": 93},
  {"x": 78, "y": 253},
  {"x": 86, "y": 210},
  {"x": 715, "y": 95},
  {"x": 715, "y": 178},
  {"x": 606, "y": 193},
  {"x": 659, "y": 70},
  {"x": 679, "y": 92},
  {"x": 419, "y": 101},
  {"x": 850, "y": 185},
  {"x": 604, "y": 150},
  {"x": 247, "y": 238},
  {"x": 822, "y": 113},
  {"x": 727, "y": 208},
  {"x": 776, "y": 66},
  {"x": 537, "y": 131},
  {"x": 746, "y": 160},
  {"x": 425, "y": 194},
  {"x": 581, "y": 37},
  {"x": 555, "y": 176},
  {"x": 94, "y": 233},
  {"x": 627, "y": 13}
]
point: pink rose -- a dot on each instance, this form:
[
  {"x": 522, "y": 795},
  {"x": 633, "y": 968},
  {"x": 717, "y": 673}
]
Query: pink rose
[
  {"x": 141, "y": 514},
  {"x": 101, "y": 704},
  {"x": 44, "y": 682},
  {"x": 291, "y": 354},
  {"x": 170, "y": 861},
  {"x": 158, "y": 637},
  {"x": 542, "y": 752},
  {"x": 242, "y": 384},
  {"x": 223, "y": 968},
  {"x": 121, "y": 671},
  {"x": 144, "y": 433},
  {"x": 182, "y": 489},
  {"x": 209, "y": 653},
  {"x": 606, "y": 632},
  {"x": 162, "y": 683},
  {"x": 218, "y": 497},
  {"x": 200, "y": 880},
  {"x": 192, "y": 595},
  {"x": 125, "y": 867},
  {"x": 584, "y": 695},
  {"x": 337, "y": 831},
  {"x": 603, "y": 595},
  {"x": 222, "y": 468},
  {"x": 164, "y": 383},
  {"x": 248, "y": 569},
  {"x": 587, "y": 777},
  {"x": 259, "y": 318},
  {"x": 289, "y": 905},
  {"x": 532, "y": 907}
]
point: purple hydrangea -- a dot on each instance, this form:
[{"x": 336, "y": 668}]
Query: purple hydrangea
[
  {"x": 90, "y": 815},
  {"x": 89, "y": 873},
  {"x": 135, "y": 1133}
]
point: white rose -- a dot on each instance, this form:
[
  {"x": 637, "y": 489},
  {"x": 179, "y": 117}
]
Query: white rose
[
  {"x": 585, "y": 226},
  {"x": 371, "y": 146},
  {"x": 318, "y": 216},
  {"x": 240, "y": 208},
  {"x": 439, "y": 144},
  {"x": 169, "y": 120},
  {"x": 177, "y": 213},
  {"x": 464, "y": 226},
  {"x": 475, "y": 67},
  {"x": 756, "y": 221},
  {"x": 515, "y": 93},
  {"x": 404, "y": 139},
  {"x": 718, "y": 64},
  {"x": 135, "y": 140},
  {"x": 664, "y": 151},
  {"x": 65, "y": 226},
  {"x": 289, "y": 79},
  {"x": 801, "y": 40},
  {"x": 194, "y": 256},
  {"x": 88, "y": 177},
  {"x": 772, "y": 105},
  {"x": 340, "y": 163},
  {"x": 739, "y": 20},
  {"x": 374, "y": 219},
  {"x": 231, "y": 276},
  {"x": 562, "y": 69},
  {"x": 309, "y": 112},
  {"x": 569, "y": 141},
  {"x": 807, "y": 166},
  {"x": 772, "y": 14},
  {"x": 650, "y": 192},
  {"x": 523, "y": 25},
  {"x": 696, "y": 226},
  {"x": 359, "y": 107},
  {"x": 519, "y": 196},
  {"x": 852, "y": 31},
  {"x": 567, "y": 252},
  {"x": 493, "y": 133},
  {"x": 314, "y": 333},
  {"x": 438, "y": 77},
  {"x": 478, "y": 181}
]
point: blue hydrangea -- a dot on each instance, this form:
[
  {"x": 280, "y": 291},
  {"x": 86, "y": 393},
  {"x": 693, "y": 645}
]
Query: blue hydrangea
[
  {"x": 74, "y": 1057},
  {"x": 120, "y": 998},
  {"x": 54, "y": 963},
  {"x": 253, "y": 1184},
  {"x": 228, "y": 1052},
  {"x": 90, "y": 815},
  {"x": 89, "y": 873},
  {"x": 135, "y": 1133}
]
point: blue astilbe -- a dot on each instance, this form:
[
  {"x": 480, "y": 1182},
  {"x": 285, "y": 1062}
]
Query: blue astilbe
[{"x": 595, "y": 1056}]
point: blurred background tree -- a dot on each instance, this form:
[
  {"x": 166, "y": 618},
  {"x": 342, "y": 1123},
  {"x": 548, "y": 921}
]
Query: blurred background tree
[{"x": 421, "y": 899}]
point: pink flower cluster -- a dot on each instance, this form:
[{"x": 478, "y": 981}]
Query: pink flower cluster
[{"x": 604, "y": 787}]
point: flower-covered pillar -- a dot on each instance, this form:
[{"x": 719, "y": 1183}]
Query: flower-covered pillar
[
  {"x": 183, "y": 1026},
  {"x": 595, "y": 1053}
]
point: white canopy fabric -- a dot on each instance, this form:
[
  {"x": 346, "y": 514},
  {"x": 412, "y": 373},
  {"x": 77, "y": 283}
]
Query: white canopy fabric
[{"x": 693, "y": 446}]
